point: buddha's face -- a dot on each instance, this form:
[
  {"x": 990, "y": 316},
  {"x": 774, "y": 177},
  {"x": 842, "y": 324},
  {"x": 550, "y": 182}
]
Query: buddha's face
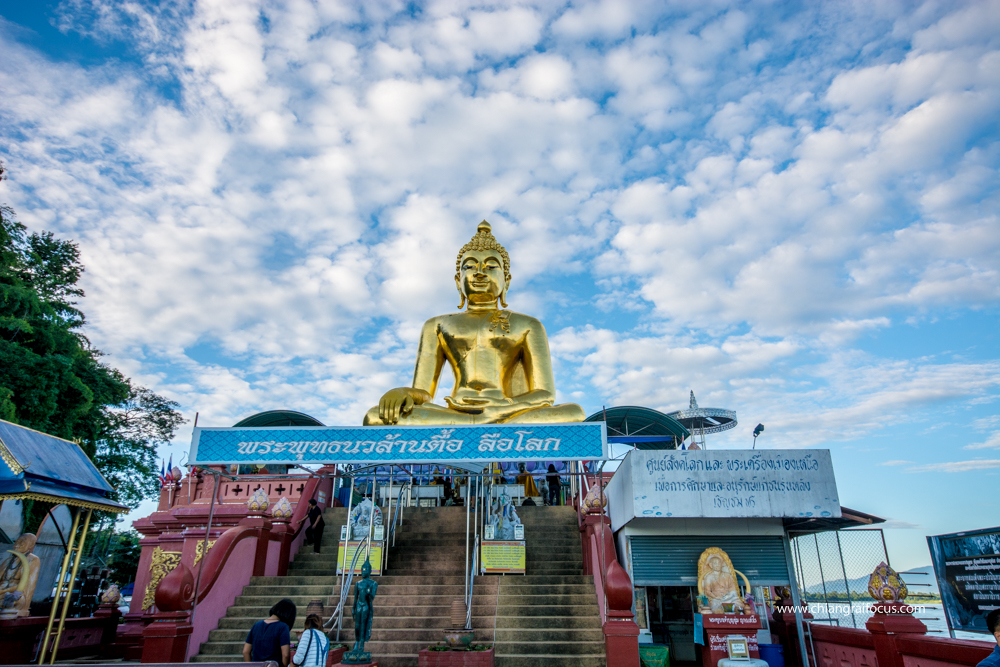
[
  {"x": 481, "y": 277},
  {"x": 25, "y": 543},
  {"x": 715, "y": 563}
]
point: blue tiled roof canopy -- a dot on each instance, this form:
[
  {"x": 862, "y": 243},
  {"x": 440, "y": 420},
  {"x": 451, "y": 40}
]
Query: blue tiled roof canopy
[{"x": 43, "y": 466}]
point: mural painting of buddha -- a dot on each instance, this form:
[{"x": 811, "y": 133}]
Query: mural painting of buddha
[{"x": 500, "y": 359}]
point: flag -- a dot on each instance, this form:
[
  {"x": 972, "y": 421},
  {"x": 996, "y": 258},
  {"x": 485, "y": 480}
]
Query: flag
[
  {"x": 170, "y": 469},
  {"x": 163, "y": 477}
]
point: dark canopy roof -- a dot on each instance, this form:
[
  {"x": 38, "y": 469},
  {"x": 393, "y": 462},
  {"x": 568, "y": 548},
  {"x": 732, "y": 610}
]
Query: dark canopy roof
[
  {"x": 643, "y": 427},
  {"x": 42, "y": 467},
  {"x": 849, "y": 519},
  {"x": 278, "y": 418}
]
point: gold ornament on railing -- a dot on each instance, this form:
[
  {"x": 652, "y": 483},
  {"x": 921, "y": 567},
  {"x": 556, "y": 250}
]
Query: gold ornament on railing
[
  {"x": 161, "y": 564},
  {"x": 596, "y": 500},
  {"x": 885, "y": 584},
  {"x": 112, "y": 595},
  {"x": 200, "y": 550},
  {"x": 282, "y": 509},
  {"x": 258, "y": 502}
]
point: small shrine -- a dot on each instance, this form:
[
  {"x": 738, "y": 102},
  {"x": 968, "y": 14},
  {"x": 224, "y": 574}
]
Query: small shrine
[{"x": 41, "y": 467}]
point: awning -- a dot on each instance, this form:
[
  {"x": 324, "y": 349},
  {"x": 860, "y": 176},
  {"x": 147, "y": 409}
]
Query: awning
[
  {"x": 644, "y": 428},
  {"x": 39, "y": 466},
  {"x": 849, "y": 519}
]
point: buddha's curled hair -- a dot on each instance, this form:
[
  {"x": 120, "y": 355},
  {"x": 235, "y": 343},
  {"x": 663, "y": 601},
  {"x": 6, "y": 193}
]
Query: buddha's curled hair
[{"x": 484, "y": 240}]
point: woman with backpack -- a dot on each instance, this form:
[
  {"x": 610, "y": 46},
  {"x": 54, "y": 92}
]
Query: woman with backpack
[{"x": 313, "y": 644}]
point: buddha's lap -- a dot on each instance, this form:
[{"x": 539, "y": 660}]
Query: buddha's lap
[{"x": 433, "y": 414}]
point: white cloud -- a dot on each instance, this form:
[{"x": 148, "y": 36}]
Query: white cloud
[
  {"x": 991, "y": 442},
  {"x": 743, "y": 194},
  {"x": 958, "y": 466}
]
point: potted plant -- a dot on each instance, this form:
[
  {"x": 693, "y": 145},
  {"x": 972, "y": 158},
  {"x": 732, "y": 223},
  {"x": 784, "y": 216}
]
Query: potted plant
[{"x": 336, "y": 654}]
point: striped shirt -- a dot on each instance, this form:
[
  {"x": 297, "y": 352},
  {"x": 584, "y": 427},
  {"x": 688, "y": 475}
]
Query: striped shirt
[{"x": 312, "y": 649}]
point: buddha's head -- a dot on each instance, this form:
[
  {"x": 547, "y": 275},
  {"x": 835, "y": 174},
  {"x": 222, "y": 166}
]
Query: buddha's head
[
  {"x": 366, "y": 569},
  {"x": 715, "y": 563},
  {"x": 25, "y": 544},
  {"x": 482, "y": 269}
]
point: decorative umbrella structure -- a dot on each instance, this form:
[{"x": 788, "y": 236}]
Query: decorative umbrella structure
[{"x": 702, "y": 421}]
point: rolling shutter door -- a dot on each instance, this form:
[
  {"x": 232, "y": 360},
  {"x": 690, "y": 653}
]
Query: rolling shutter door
[{"x": 672, "y": 560}]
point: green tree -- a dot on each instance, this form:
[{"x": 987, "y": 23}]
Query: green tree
[
  {"x": 123, "y": 556},
  {"x": 53, "y": 380}
]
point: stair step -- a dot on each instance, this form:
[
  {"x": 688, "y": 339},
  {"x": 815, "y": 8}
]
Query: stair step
[
  {"x": 562, "y": 648},
  {"x": 548, "y": 617},
  {"x": 596, "y": 660}
]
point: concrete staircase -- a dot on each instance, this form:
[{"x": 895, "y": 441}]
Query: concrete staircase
[
  {"x": 549, "y": 616},
  {"x": 305, "y": 581}
]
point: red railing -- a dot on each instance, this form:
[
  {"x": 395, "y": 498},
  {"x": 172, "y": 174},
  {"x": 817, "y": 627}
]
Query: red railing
[
  {"x": 612, "y": 585},
  {"x": 848, "y": 647}
]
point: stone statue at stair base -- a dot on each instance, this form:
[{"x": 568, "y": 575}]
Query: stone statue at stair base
[{"x": 364, "y": 599}]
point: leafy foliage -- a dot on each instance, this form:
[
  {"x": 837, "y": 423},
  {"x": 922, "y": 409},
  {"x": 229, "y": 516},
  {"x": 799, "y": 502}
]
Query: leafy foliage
[
  {"x": 52, "y": 380},
  {"x": 123, "y": 556}
]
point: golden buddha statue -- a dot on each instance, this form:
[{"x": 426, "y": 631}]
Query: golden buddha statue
[{"x": 501, "y": 362}]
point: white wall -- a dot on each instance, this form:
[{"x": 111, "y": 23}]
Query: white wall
[{"x": 723, "y": 484}]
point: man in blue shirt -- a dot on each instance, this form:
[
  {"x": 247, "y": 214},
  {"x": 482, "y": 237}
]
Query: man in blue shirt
[{"x": 993, "y": 625}]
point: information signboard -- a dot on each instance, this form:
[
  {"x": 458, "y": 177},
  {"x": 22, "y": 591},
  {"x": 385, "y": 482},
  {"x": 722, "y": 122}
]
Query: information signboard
[
  {"x": 967, "y": 567},
  {"x": 412, "y": 444},
  {"x": 502, "y": 557},
  {"x": 375, "y": 557},
  {"x": 723, "y": 483}
]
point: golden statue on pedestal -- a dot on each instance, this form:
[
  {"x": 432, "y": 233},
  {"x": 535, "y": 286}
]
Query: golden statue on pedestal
[
  {"x": 19, "y": 573},
  {"x": 503, "y": 372}
]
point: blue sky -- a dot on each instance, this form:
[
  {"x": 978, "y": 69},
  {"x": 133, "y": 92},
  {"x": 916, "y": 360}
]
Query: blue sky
[{"x": 790, "y": 208}]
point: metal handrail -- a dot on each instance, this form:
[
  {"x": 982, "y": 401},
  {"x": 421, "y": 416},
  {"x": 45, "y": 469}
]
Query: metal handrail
[
  {"x": 338, "y": 614},
  {"x": 337, "y": 618},
  {"x": 396, "y": 521},
  {"x": 472, "y": 579}
]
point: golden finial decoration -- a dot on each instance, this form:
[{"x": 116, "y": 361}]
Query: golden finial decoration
[
  {"x": 282, "y": 509},
  {"x": 885, "y": 584},
  {"x": 112, "y": 595},
  {"x": 258, "y": 502}
]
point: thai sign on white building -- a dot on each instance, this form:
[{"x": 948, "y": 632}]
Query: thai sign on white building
[{"x": 723, "y": 484}]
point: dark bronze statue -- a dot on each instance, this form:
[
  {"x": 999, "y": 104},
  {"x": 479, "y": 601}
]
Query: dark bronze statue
[{"x": 364, "y": 599}]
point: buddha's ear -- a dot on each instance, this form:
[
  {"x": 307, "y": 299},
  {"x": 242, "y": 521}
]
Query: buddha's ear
[
  {"x": 458, "y": 284},
  {"x": 503, "y": 294}
]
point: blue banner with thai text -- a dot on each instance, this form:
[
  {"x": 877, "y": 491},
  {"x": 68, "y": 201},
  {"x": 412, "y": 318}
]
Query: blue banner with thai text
[{"x": 585, "y": 441}]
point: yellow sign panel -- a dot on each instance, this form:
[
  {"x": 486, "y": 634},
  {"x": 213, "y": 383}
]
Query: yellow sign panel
[
  {"x": 506, "y": 557},
  {"x": 375, "y": 556}
]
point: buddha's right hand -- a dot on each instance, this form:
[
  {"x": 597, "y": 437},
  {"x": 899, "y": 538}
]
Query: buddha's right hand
[{"x": 399, "y": 402}]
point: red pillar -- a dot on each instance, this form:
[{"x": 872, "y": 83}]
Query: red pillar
[
  {"x": 263, "y": 526},
  {"x": 890, "y": 622},
  {"x": 282, "y": 528},
  {"x": 166, "y": 638},
  {"x": 621, "y": 633},
  {"x": 112, "y": 616}
]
